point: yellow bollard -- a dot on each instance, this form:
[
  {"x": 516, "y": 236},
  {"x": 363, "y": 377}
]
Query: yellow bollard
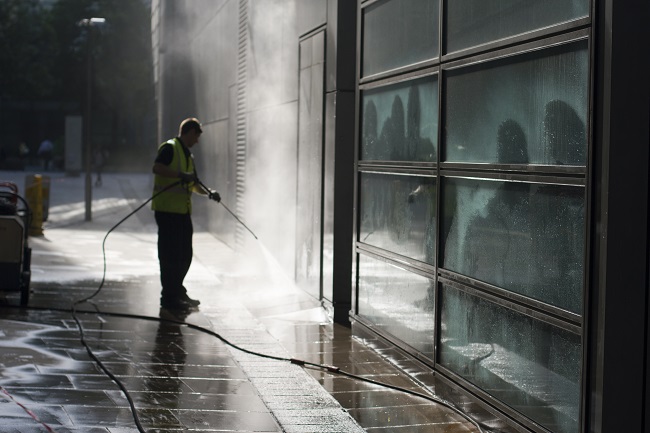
[
  {"x": 34, "y": 197},
  {"x": 45, "y": 199}
]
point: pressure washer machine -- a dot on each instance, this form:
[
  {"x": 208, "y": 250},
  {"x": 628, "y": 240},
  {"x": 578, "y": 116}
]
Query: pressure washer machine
[{"x": 15, "y": 254}]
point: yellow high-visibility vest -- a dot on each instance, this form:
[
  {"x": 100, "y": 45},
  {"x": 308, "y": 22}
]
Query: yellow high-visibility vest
[{"x": 177, "y": 199}]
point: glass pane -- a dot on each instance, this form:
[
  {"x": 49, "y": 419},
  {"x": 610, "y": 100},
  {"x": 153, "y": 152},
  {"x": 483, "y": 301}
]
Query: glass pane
[
  {"x": 400, "y": 122},
  {"x": 527, "y": 238},
  {"x": 398, "y": 213},
  {"x": 528, "y": 364},
  {"x": 398, "y": 302},
  {"x": 310, "y": 165},
  {"x": 530, "y": 108},
  {"x": 475, "y": 22},
  {"x": 329, "y": 174},
  {"x": 413, "y": 35}
]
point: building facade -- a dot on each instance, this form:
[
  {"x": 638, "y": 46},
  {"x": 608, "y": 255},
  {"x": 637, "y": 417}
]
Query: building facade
[{"x": 467, "y": 181}]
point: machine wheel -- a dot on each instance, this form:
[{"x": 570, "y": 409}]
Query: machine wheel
[
  {"x": 26, "y": 276},
  {"x": 24, "y": 288}
]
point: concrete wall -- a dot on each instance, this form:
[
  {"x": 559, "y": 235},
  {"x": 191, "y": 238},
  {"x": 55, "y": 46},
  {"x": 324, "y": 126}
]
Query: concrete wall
[
  {"x": 234, "y": 64},
  {"x": 247, "y": 105}
]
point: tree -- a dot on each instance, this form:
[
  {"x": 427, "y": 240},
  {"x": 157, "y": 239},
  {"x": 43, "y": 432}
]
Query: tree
[
  {"x": 27, "y": 47},
  {"x": 45, "y": 52},
  {"x": 124, "y": 68},
  {"x": 123, "y": 71}
]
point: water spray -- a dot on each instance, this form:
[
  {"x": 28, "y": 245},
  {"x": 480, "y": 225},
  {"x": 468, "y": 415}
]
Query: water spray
[{"x": 429, "y": 396}]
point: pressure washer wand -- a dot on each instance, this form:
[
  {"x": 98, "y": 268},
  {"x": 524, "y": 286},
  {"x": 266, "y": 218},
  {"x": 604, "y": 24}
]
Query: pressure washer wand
[
  {"x": 240, "y": 221},
  {"x": 229, "y": 211}
]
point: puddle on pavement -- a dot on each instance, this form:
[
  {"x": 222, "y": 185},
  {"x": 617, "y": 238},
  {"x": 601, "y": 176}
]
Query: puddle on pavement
[{"x": 22, "y": 351}]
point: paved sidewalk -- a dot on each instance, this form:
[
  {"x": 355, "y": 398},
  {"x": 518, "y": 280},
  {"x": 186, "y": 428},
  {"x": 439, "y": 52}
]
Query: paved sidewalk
[{"x": 180, "y": 378}]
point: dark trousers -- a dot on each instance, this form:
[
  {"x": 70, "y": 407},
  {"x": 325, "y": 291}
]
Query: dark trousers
[{"x": 174, "y": 252}]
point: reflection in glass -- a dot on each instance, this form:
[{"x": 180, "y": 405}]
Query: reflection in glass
[
  {"x": 545, "y": 92},
  {"x": 398, "y": 302},
  {"x": 563, "y": 134},
  {"x": 398, "y": 213},
  {"x": 511, "y": 143},
  {"x": 400, "y": 122},
  {"x": 472, "y": 22},
  {"x": 528, "y": 364},
  {"x": 527, "y": 238},
  {"x": 413, "y": 38}
]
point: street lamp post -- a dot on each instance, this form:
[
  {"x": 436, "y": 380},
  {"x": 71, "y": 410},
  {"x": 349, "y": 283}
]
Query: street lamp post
[{"x": 89, "y": 23}]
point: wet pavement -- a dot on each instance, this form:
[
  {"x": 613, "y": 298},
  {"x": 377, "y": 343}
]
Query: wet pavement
[{"x": 179, "y": 377}]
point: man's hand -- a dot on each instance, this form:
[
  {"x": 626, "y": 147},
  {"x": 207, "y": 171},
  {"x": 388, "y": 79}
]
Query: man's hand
[
  {"x": 187, "y": 177},
  {"x": 214, "y": 195}
]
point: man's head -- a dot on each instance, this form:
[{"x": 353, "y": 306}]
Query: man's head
[{"x": 190, "y": 131}]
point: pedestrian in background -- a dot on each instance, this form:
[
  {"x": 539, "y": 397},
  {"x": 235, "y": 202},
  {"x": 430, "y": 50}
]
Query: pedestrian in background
[
  {"x": 45, "y": 153},
  {"x": 23, "y": 153},
  {"x": 101, "y": 155}
]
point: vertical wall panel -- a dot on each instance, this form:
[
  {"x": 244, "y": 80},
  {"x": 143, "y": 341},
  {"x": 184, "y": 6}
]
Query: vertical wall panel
[
  {"x": 619, "y": 263},
  {"x": 242, "y": 113}
]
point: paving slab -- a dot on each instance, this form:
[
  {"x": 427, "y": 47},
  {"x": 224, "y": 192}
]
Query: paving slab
[{"x": 180, "y": 378}]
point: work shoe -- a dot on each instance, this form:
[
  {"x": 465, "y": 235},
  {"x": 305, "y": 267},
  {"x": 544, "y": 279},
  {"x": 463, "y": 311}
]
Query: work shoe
[
  {"x": 174, "y": 305},
  {"x": 178, "y": 303},
  {"x": 189, "y": 301}
]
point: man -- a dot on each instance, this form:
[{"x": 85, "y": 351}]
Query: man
[
  {"x": 174, "y": 181},
  {"x": 45, "y": 151}
]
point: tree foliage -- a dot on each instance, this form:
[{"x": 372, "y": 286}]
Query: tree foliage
[
  {"x": 27, "y": 49},
  {"x": 121, "y": 50},
  {"x": 44, "y": 52}
]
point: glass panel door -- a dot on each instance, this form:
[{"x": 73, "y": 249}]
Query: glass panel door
[{"x": 309, "y": 218}]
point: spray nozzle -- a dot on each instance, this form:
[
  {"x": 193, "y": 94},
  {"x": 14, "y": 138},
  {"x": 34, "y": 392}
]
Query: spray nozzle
[{"x": 214, "y": 195}]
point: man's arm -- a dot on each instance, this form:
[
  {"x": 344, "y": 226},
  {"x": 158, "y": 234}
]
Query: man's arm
[
  {"x": 165, "y": 171},
  {"x": 162, "y": 167},
  {"x": 197, "y": 188}
]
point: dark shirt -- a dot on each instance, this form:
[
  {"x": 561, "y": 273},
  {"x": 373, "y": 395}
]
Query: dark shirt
[{"x": 166, "y": 153}]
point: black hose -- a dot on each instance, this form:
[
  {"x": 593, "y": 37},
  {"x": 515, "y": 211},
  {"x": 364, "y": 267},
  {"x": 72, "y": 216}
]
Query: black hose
[
  {"x": 332, "y": 369},
  {"x": 28, "y": 213},
  {"x": 136, "y": 417},
  {"x": 101, "y": 284},
  {"x": 73, "y": 311},
  {"x": 299, "y": 362}
]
